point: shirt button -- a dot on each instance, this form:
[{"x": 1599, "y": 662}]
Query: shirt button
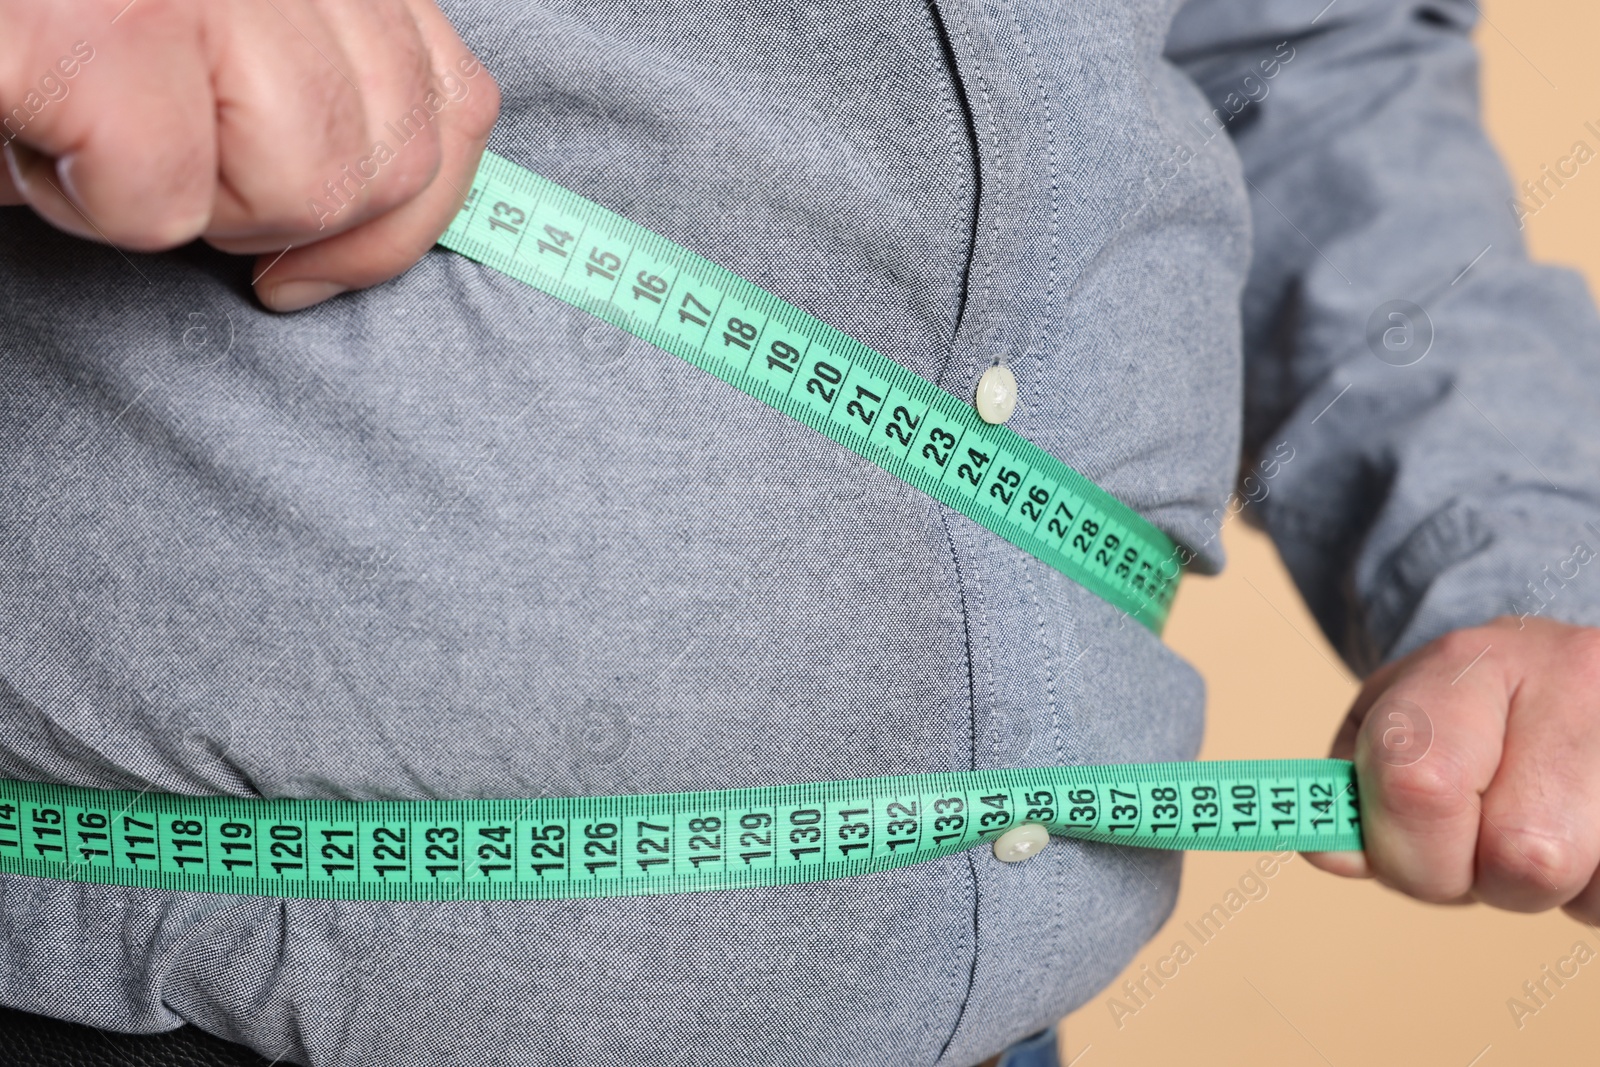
[
  {"x": 997, "y": 394},
  {"x": 1020, "y": 842}
]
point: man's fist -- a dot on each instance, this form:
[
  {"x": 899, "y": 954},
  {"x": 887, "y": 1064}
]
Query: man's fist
[
  {"x": 1478, "y": 759},
  {"x": 346, "y": 131}
]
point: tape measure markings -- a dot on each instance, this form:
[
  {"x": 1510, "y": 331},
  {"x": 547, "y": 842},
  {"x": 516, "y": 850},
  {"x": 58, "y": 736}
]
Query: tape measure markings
[
  {"x": 678, "y": 842},
  {"x": 852, "y": 394},
  {"x": 655, "y": 843}
]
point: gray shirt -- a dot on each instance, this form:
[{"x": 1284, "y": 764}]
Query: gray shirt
[{"x": 448, "y": 538}]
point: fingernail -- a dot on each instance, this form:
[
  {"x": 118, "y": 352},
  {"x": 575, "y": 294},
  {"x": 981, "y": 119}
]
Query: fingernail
[{"x": 292, "y": 296}]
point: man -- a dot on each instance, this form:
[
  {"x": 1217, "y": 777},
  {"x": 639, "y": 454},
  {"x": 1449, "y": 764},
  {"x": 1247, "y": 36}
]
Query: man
[{"x": 425, "y": 532}]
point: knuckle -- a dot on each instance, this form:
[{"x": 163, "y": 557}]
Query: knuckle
[
  {"x": 482, "y": 107},
  {"x": 1532, "y": 859},
  {"x": 1423, "y": 792},
  {"x": 158, "y": 231},
  {"x": 414, "y": 168}
]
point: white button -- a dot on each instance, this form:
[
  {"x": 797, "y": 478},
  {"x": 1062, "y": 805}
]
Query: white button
[
  {"x": 1020, "y": 842},
  {"x": 997, "y": 394}
]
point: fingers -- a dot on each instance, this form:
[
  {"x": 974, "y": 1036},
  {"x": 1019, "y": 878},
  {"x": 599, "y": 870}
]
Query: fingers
[
  {"x": 1476, "y": 760},
  {"x": 260, "y": 125},
  {"x": 1538, "y": 846},
  {"x": 457, "y": 109},
  {"x": 296, "y": 101},
  {"x": 30, "y": 83},
  {"x": 1426, "y": 749},
  {"x": 1403, "y": 732},
  {"x": 78, "y": 156},
  {"x": 307, "y": 160}
]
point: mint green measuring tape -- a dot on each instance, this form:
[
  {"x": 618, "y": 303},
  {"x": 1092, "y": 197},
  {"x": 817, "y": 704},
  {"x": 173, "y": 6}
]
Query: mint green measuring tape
[
  {"x": 552, "y": 239},
  {"x": 528, "y": 227},
  {"x": 656, "y": 842}
]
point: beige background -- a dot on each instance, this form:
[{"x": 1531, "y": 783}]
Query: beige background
[{"x": 1322, "y": 971}]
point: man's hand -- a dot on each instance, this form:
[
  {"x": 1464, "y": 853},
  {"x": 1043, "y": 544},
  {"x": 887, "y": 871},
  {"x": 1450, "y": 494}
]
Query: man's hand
[
  {"x": 1478, "y": 759},
  {"x": 346, "y": 131}
]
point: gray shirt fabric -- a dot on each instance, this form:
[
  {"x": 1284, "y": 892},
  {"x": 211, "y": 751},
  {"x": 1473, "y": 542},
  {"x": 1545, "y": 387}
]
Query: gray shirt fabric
[{"x": 448, "y": 538}]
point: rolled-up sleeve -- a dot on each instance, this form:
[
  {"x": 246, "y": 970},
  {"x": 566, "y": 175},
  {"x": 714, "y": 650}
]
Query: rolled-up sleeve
[{"x": 1437, "y": 393}]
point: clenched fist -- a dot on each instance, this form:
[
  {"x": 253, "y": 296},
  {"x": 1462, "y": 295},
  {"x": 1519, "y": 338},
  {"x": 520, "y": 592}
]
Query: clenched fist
[
  {"x": 346, "y": 132},
  {"x": 1478, "y": 759}
]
